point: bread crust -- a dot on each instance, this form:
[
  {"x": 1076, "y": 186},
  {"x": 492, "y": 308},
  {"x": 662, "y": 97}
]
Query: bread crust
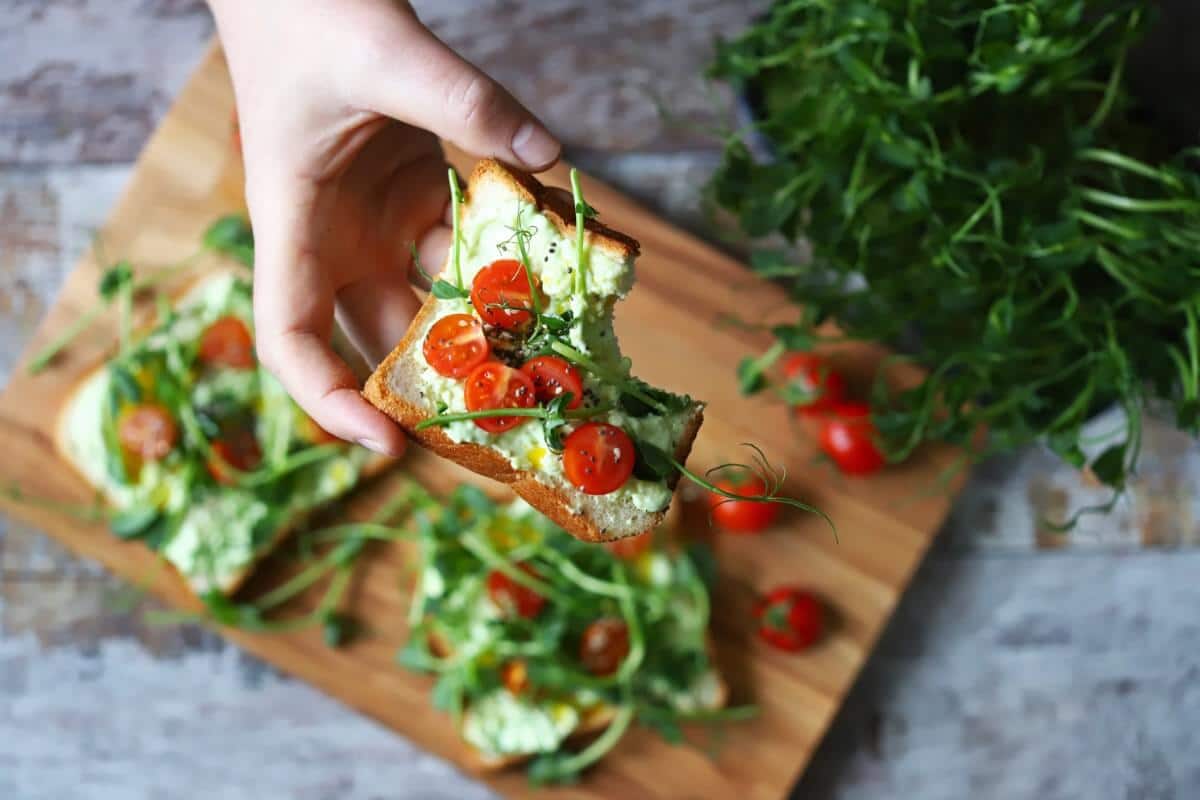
[
  {"x": 557, "y": 206},
  {"x": 373, "y": 467}
]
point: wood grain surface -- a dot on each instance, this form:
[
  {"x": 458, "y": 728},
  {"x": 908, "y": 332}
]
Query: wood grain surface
[
  {"x": 1021, "y": 663},
  {"x": 670, "y": 326}
]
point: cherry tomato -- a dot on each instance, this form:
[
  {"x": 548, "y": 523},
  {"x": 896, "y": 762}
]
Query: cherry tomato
[
  {"x": 848, "y": 437},
  {"x": 604, "y": 646},
  {"x": 238, "y": 450},
  {"x": 147, "y": 431},
  {"x": 630, "y": 547},
  {"x": 511, "y": 597},
  {"x": 455, "y": 345},
  {"x": 598, "y": 458},
  {"x": 515, "y": 675},
  {"x": 495, "y": 385},
  {"x": 812, "y": 375},
  {"x": 500, "y": 291},
  {"x": 789, "y": 618},
  {"x": 742, "y": 516},
  {"x": 553, "y": 376},
  {"x": 227, "y": 343}
]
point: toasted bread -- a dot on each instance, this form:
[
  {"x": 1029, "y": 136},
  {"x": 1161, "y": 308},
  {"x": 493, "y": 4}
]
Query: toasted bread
[
  {"x": 592, "y": 722},
  {"x": 67, "y": 448},
  {"x": 396, "y": 385}
]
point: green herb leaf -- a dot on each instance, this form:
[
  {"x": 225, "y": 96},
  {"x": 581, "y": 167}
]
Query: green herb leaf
[
  {"x": 444, "y": 290},
  {"x": 1109, "y": 466},
  {"x": 751, "y": 379},
  {"x": 337, "y": 629},
  {"x": 134, "y": 522},
  {"x": 231, "y": 236},
  {"x": 114, "y": 279},
  {"x": 652, "y": 463}
]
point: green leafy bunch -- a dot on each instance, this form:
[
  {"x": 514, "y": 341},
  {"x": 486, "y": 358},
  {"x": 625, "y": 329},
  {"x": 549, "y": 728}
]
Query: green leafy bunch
[{"x": 973, "y": 181}]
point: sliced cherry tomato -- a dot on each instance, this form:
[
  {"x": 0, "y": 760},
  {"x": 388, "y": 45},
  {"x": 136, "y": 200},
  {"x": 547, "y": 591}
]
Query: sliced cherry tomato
[
  {"x": 630, "y": 547},
  {"x": 515, "y": 675},
  {"x": 455, "y": 345},
  {"x": 511, "y": 597},
  {"x": 604, "y": 646},
  {"x": 742, "y": 516},
  {"x": 239, "y": 450},
  {"x": 147, "y": 431},
  {"x": 848, "y": 437},
  {"x": 227, "y": 343},
  {"x": 494, "y": 385},
  {"x": 811, "y": 375},
  {"x": 789, "y": 618},
  {"x": 553, "y": 376},
  {"x": 500, "y": 291},
  {"x": 598, "y": 458}
]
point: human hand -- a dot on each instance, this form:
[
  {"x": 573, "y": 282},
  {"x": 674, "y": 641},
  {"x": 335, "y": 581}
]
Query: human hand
[{"x": 339, "y": 106}]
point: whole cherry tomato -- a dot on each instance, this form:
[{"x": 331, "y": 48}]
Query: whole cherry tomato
[
  {"x": 812, "y": 376},
  {"x": 598, "y": 458},
  {"x": 455, "y": 345},
  {"x": 604, "y": 645},
  {"x": 227, "y": 343},
  {"x": 502, "y": 296},
  {"x": 494, "y": 385},
  {"x": 553, "y": 376},
  {"x": 742, "y": 516},
  {"x": 147, "y": 431},
  {"x": 789, "y": 618},
  {"x": 848, "y": 437},
  {"x": 512, "y": 598}
]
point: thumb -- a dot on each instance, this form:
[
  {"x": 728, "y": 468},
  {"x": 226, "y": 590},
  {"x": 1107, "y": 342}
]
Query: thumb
[{"x": 426, "y": 84}]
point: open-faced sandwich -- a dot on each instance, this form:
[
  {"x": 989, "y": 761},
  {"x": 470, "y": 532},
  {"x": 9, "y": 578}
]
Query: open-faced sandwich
[
  {"x": 548, "y": 648},
  {"x": 197, "y": 450},
  {"x": 512, "y": 368}
]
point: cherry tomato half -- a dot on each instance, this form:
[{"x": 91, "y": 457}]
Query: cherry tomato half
[
  {"x": 553, "y": 376},
  {"x": 604, "y": 645},
  {"x": 742, "y": 516},
  {"x": 848, "y": 437},
  {"x": 812, "y": 375},
  {"x": 512, "y": 598},
  {"x": 147, "y": 431},
  {"x": 227, "y": 343},
  {"x": 500, "y": 291},
  {"x": 494, "y": 385},
  {"x": 455, "y": 345},
  {"x": 598, "y": 458},
  {"x": 515, "y": 675},
  {"x": 789, "y": 618},
  {"x": 239, "y": 450},
  {"x": 630, "y": 547}
]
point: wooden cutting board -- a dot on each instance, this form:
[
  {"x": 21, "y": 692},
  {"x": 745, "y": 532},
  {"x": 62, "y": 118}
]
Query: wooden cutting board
[{"x": 672, "y": 327}]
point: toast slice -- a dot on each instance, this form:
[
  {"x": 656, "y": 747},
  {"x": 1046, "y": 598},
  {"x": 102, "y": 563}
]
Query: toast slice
[
  {"x": 502, "y": 206},
  {"x": 216, "y": 518},
  {"x": 593, "y": 720}
]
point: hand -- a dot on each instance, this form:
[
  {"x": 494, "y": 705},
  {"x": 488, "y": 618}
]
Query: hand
[{"x": 339, "y": 102}]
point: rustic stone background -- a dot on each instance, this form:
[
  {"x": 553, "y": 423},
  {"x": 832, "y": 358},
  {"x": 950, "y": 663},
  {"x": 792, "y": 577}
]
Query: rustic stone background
[{"x": 1021, "y": 663}]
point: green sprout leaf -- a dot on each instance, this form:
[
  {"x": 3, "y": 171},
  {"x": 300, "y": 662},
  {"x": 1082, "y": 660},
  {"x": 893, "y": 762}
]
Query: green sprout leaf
[{"x": 231, "y": 236}]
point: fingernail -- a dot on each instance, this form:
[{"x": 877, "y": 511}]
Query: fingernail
[
  {"x": 374, "y": 446},
  {"x": 534, "y": 145}
]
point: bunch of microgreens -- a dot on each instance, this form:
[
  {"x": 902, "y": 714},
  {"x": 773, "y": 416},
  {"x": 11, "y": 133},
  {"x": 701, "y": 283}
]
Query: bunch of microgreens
[
  {"x": 548, "y": 335},
  {"x": 970, "y": 176},
  {"x": 466, "y": 536}
]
